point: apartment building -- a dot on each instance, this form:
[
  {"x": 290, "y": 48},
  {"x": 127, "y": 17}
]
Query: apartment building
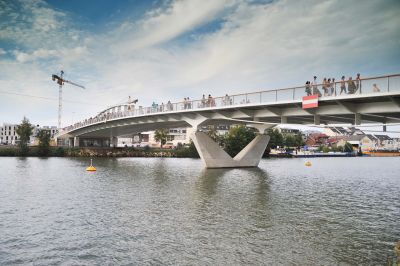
[{"x": 8, "y": 134}]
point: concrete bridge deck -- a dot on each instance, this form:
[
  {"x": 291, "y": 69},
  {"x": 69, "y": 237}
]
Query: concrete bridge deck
[{"x": 261, "y": 110}]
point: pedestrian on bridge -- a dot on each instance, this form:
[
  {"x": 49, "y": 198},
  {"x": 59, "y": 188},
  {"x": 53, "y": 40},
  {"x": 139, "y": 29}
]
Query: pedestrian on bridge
[
  {"x": 325, "y": 84},
  {"x": 333, "y": 87},
  {"x": 308, "y": 88},
  {"x": 358, "y": 83},
  {"x": 351, "y": 87},
  {"x": 203, "y": 101},
  {"x": 315, "y": 85},
  {"x": 343, "y": 85}
]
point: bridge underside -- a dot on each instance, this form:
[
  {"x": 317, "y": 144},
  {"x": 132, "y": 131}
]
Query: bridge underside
[
  {"x": 383, "y": 108},
  {"x": 339, "y": 110}
]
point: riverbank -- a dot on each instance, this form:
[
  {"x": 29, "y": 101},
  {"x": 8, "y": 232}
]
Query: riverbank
[
  {"x": 187, "y": 152},
  {"x": 101, "y": 152}
]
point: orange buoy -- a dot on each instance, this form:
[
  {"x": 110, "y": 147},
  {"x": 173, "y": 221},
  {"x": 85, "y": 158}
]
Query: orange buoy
[
  {"x": 308, "y": 163},
  {"x": 91, "y": 168}
]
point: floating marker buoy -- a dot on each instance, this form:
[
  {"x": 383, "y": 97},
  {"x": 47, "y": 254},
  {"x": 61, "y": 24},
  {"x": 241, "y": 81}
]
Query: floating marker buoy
[
  {"x": 308, "y": 163},
  {"x": 91, "y": 168}
]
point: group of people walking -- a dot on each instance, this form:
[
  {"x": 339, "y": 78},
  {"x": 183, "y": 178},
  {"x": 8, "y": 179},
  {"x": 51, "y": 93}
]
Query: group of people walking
[{"x": 328, "y": 86}]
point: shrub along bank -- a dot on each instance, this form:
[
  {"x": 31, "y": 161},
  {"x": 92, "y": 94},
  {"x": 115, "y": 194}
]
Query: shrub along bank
[{"x": 184, "y": 152}]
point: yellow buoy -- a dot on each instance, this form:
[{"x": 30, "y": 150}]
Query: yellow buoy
[
  {"x": 91, "y": 168},
  {"x": 308, "y": 163}
]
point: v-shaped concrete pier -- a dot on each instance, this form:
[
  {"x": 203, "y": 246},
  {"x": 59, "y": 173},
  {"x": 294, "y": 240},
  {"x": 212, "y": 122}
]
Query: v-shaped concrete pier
[{"x": 213, "y": 156}]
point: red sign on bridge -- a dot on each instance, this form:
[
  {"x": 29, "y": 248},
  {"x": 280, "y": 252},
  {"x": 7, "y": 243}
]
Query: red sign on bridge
[{"x": 310, "y": 101}]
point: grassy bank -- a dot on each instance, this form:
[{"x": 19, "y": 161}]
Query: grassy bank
[{"x": 102, "y": 152}]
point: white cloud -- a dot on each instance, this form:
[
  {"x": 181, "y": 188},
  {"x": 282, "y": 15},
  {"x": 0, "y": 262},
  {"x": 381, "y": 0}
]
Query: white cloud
[
  {"x": 32, "y": 24},
  {"x": 2, "y": 51},
  {"x": 258, "y": 47},
  {"x": 255, "y": 47},
  {"x": 65, "y": 55},
  {"x": 162, "y": 25}
]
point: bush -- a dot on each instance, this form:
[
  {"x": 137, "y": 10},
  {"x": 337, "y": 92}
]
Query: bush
[
  {"x": 8, "y": 151},
  {"x": 237, "y": 138},
  {"x": 187, "y": 152},
  {"x": 58, "y": 152}
]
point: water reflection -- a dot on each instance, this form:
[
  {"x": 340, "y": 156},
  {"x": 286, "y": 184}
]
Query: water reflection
[
  {"x": 172, "y": 211},
  {"x": 208, "y": 180}
]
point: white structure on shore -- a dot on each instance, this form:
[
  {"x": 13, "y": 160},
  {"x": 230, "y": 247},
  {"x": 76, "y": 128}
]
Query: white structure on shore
[{"x": 9, "y": 136}]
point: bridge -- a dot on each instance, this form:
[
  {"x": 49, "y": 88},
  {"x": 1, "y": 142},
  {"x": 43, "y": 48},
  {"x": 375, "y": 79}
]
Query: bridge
[{"x": 369, "y": 100}]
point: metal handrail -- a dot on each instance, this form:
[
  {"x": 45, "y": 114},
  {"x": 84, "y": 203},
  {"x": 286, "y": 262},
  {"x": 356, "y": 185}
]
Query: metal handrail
[{"x": 109, "y": 114}]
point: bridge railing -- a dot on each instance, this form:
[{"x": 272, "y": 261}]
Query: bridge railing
[{"x": 365, "y": 86}]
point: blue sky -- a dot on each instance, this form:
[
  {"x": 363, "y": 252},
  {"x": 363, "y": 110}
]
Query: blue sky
[{"x": 167, "y": 50}]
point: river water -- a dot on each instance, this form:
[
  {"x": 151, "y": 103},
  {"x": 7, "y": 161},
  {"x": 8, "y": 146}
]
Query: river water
[{"x": 167, "y": 211}]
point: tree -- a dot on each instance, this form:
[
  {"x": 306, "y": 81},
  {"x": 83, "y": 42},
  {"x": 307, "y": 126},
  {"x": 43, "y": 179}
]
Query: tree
[
  {"x": 276, "y": 138},
  {"x": 298, "y": 139},
  {"x": 44, "y": 142},
  {"x": 24, "y": 131},
  {"x": 160, "y": 135},
  {"x": 289, "y": 141},
  {"x": 237, "y": 138},
  {"x": 213, "y": 133}
]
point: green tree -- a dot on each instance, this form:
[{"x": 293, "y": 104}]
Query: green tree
[
  {"x": 289, "y": 141},
  {"x": 213, "y": 133},
  {"x": 299, "y": 141},
  {"x": 237, "y": 138},
  {"x": 276, "y": 138},
  {"x": 24, "y": 131},
  {"x": 160, "y": 135},
  {"x": 44, "y": 142}
]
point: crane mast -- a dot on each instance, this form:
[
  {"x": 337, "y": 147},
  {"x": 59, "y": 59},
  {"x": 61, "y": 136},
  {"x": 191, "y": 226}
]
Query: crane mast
[{"x": 60, "y": 81}]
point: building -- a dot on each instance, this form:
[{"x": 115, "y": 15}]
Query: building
[
  {"x": 384, "y": 142},
  {"x": 35, "y": 141},
  {"x": 175, "y": 138},
  {"x": 342, "y": 131},
  {"x": 317, "y": 139},
  {"x": 137, "y": 140},
  {"x": 359, "y": 142},
  {"x": 289, "y": 131},
  {"x": 8, "y": 134}
]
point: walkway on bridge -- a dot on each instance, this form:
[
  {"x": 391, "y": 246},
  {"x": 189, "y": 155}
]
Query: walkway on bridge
[{"x": 376, "y": 100}]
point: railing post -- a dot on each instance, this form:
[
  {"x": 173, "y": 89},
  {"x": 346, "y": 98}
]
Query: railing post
[
  {"x": 388, "y": 88},
  {"x": 294, "y": 91},
  {"x": 335, "y": 89},
  {"x": 276, "y": 95},
  {"x": 260, "y": 97}
]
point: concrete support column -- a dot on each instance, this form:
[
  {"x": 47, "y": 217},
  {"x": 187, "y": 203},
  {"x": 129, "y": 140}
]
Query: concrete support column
[
  {"x": 283, "y": 120},
  {"x": 76, "y": 141},
  {"x": 213, "y": 156},
  {"x": 71, "y": 142},
  {"x": 113, "y": 142},
  {"x": 357, "y": 119},
  {"x": 317, "y": 120},
  {"x": 384, "y": 128}
]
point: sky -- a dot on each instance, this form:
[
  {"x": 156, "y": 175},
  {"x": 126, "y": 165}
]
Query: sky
[{"x": 168, "y": 50}]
